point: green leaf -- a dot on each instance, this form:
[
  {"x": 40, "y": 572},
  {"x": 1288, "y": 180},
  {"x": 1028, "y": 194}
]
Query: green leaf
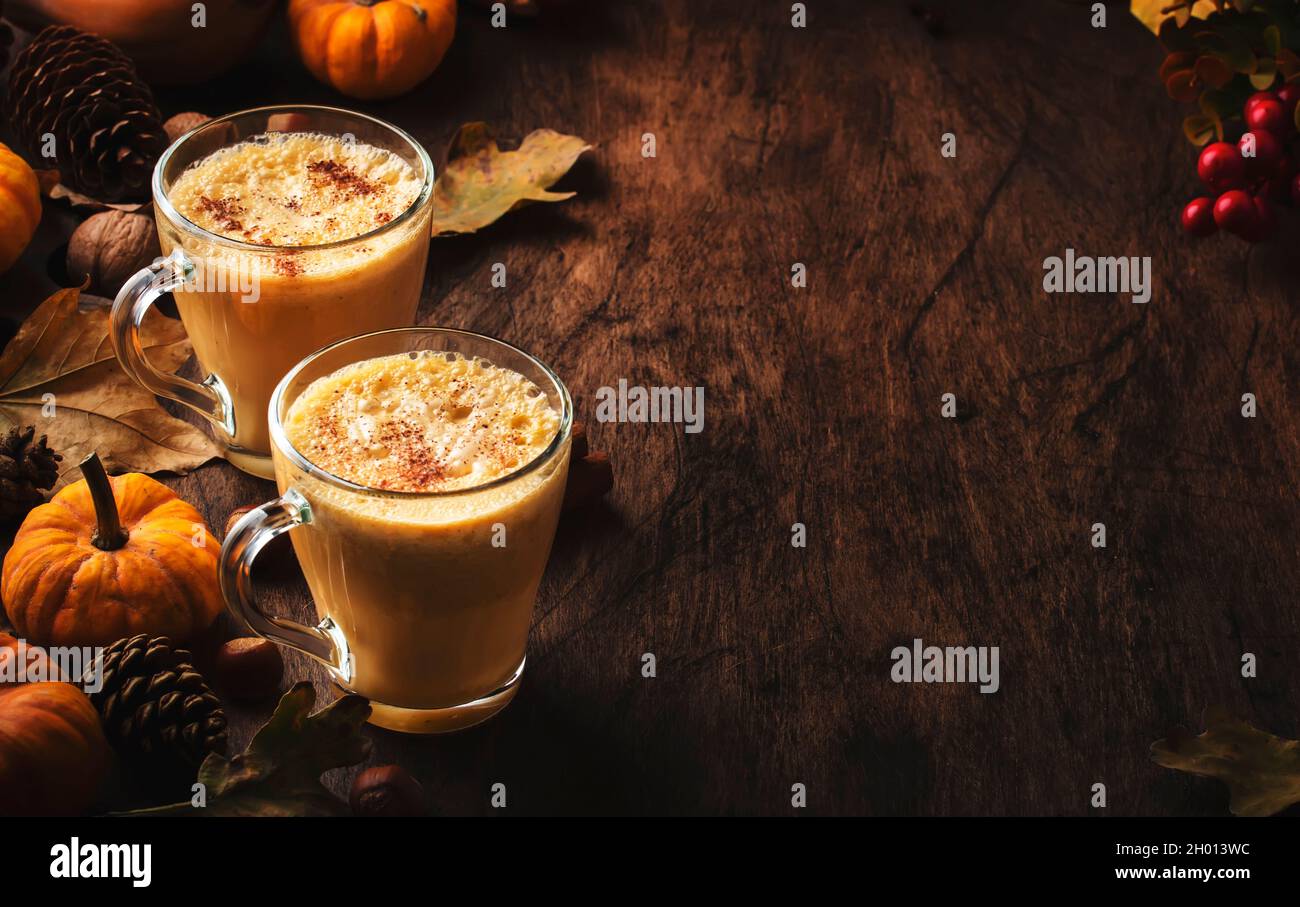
[
  {"x": 1181, "y": 85},
  {"x": 1288, "y": 63},
  {"x": 1241, "y": 59},
  {"x": 1213, "y": 71},
  {"x": 1151, "y": 13},
  {"x": 1264, "y": 76},
  {"x": 480, "y": 183},
  {"x": 1176, "y": 61},
  {"x": 1219, "y": 104},
  {"x": 1262, "y": 771},
  {"x": 279, "y": 773},
  {"x": 1273, "y": 39},
  {"x": 1201, "y": 129}
]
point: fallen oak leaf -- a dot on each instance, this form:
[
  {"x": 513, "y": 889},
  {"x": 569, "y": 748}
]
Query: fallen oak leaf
[
  {"x": 279, "y": 773},
  {"x": 61, "y": 357},
  {"x": 1262, "y": 771},
  {"x": 480, "y": 183},
  {"x": 1153, "y": 12}
]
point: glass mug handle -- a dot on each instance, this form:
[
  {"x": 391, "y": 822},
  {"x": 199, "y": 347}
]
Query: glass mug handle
[
  {"x": 254, "y": 531},
  {"x": 208, "y": 399}
]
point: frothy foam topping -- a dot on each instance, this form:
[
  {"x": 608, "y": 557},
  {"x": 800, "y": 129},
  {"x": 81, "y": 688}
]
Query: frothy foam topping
[
  {"x": 295, "y": 189},
  {"x": 427, "y": 421}
]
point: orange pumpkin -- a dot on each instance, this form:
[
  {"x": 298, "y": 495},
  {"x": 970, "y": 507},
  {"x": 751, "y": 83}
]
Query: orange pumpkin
[
  {"x": 372, "y": 48},
  {"x": 102, "y": 561},
  {"x": 53, "y": 754},
  {"x": 20, "y": 207},
  {"x": 30, "y": 662},
  {"x": 160, "y": 36}
]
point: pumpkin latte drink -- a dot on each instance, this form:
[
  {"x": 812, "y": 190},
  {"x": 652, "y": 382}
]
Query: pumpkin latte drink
[
  {"x": 285, "y": 229},
  {"x": 423, "y": 470}
]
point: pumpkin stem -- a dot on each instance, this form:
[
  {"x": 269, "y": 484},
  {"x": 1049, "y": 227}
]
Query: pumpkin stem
[{"x": 109, "y": 535}]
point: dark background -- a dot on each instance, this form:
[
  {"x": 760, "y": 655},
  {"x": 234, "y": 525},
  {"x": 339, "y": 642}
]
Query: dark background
[{"x": 821, "y": 145}]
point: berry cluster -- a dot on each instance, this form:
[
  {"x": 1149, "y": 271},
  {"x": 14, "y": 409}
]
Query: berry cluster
[{"x": 1249, "y": 177}]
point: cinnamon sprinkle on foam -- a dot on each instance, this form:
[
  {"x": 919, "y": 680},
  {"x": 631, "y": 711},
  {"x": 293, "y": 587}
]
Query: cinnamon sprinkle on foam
[
  {"x": 432, "y": 422},
  {"x": 295, "y": 189}
]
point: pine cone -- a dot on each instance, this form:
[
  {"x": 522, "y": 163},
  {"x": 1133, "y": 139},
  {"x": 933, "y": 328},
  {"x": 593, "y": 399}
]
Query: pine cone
[
  {"x": 157, "y": 710},
  {"x": 25, "y": 469},
  {"x": 85, "y": 92}
]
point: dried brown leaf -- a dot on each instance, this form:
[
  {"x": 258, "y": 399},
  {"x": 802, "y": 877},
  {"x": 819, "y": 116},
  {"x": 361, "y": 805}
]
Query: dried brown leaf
[
  {"x": 1152, "y": 12},
  {"x": 1262, "y": 771},
  {"x": 480, "y": 183},
  {"x": 53, "y": 189},
  {"x": 65, "y": 351}
]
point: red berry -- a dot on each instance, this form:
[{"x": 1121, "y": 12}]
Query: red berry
[
  {"x": 1265, "y": 221},
  {"x": 1262, "y": 153},
  {"x": 1257, "y": 97},
  {"x": 1277, "y": 188},
  {"x": 1254, "y": 100},
  {"x": 1286, "y": 166},
  {"x": 1268, "y": 114},
  {"x": 1235, "y": 212},
  {"x": 1289, "y": 94},
  {"x": 1221, "y": 167},
  {"x": 1198, "y": 217}
]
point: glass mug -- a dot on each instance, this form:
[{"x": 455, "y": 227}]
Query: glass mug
[
  {"x": 419, "y": 611},
  {"x": 253, "y": 311}
]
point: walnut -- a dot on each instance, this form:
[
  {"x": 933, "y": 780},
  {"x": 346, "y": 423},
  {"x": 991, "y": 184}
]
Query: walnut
[
  {"x": 111, "y": 246},
  {"x": 182, "y": 123}
]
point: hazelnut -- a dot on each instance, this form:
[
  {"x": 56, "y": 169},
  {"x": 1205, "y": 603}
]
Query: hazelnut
[
  {"x": 177, "y": 126},
  {"x": 235, "y": 516},
  {"x": 109, "y": 247},
  {"x": 386, "y": 790},
  {"x": 590, "y": 479},
  {"x": 580, "y": 448},
  {"x": 249, "y": 669},
  {"x": 277, "y": 557}
]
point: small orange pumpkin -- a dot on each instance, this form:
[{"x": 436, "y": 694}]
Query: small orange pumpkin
[
  {"x": 53, "y": 755},
  {"x": 30, "y": 662},
  {"x": 20, "y": 207},
  {"x": 372, "y": 49},
  {"x": 108, "y": 558}
]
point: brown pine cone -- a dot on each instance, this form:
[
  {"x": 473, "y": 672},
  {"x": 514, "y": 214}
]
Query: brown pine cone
[
  {"x": 25, "y": 469},
  {"x": 85, "y": 92},
  {"x": 157, "y": 710}
]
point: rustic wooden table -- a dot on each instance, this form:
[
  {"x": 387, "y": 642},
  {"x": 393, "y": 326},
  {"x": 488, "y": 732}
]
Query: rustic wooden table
[{"x": 821, "y": 146}]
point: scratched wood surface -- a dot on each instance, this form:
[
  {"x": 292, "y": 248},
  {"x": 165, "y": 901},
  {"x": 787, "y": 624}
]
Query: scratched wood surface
[{"x": 821, "y": 146}]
